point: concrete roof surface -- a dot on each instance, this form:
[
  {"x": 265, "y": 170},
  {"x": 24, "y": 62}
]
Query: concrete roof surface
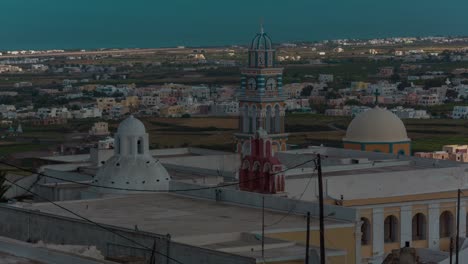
[
  {"x": 178, "y": 215},
  {"x": 10, "y": 259}
]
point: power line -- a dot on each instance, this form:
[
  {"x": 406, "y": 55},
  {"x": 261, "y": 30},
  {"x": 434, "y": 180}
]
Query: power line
[
  {"x": 92, "y": 222},
  {"x": 295, "y": 204},
  {"x": 151, "y": 191}
]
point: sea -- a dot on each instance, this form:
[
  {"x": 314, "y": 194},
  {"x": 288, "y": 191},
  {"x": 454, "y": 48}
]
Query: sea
[{"x": 94, "y": 24}]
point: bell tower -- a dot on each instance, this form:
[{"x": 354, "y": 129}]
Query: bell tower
[{"x": 261, "y": 98}]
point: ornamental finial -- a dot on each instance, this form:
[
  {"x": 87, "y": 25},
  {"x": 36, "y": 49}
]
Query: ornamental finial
[{"x": 261, "y": 26}]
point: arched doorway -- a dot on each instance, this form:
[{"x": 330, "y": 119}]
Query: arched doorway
[
  {"x": 391, "y": 229},
  {"x": 446, "y": 224},
  {"x": 365, "y": 231},
  {"x": 419, "y": 227}
]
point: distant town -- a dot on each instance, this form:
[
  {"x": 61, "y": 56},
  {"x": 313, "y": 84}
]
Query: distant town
[{"x": 415, "y": 78}]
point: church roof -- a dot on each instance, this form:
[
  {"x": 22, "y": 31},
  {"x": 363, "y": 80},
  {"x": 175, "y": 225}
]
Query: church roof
[{"x": 377, "y": 126}]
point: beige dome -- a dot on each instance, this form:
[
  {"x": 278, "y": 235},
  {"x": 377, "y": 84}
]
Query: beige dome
[{"x": 377, "y": 126}]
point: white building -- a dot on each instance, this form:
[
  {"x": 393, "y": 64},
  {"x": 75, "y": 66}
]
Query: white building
[
  {"x": 92, "y": 112},
  {"x": 225, "y": 108},
  {"x": 325, "y": 78},
  {"x": 150, "y": 100},
  {"x": 429, "y": 100},
  {"x": 460, "y": 112},
  {"x": 61, "y": 112},
  {"x": 7, "y": 108},
  {"x": 99, "y": 129},
  {"x": 110, "y": 89},
  {"x": 201, "y": 92},
  {"x": 118, "y": 111},
  {"x": 406, "y": 113}
]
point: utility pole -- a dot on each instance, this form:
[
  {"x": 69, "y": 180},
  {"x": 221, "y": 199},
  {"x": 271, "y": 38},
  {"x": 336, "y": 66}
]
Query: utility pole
[
  {"x": 451, "y": 250},
  {"x": 153, "y": 257},
  {"x": 322, "y": 226},
  {"x": 458, "y": 228},
  {"x": 263, "y": 227},
  {"x": 307, "y": 239}
]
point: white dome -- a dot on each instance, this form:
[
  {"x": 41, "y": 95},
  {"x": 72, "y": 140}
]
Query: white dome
[
  {"x": 376, "y": 125},
  {"x": 132, "y": 166},
  {"x": 140, "y": 173},
  {"x": 131, "y": 126}
]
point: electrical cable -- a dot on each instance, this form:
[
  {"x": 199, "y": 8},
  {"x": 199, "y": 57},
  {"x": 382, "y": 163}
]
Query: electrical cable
[
  {"x": 151, "y": 191},
  {"x": 295, "y": 204},
  {"x": 92, "y": 222}
]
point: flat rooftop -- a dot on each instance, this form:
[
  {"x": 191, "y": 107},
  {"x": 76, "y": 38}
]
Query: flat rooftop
[
  {"x": 10, "y": 259},
  {"x": 178, "y": 215}
]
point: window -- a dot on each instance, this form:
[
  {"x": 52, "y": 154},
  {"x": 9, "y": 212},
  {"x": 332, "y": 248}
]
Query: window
[
  {"x": 365, "y": 231},
  {"x": 140, "y": 145},
  {"x": 391, "y": 229},
  {"x": 419, "y": 227},
  {"x": 446, "y": 224},
  {"x": 268, "y": 119}
]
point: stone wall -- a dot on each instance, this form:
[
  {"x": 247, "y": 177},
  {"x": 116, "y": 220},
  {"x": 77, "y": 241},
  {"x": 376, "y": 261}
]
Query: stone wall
[{"x": 28, "y": 225}]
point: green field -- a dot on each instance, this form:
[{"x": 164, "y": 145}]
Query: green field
[{"x": 218, "y": 132}]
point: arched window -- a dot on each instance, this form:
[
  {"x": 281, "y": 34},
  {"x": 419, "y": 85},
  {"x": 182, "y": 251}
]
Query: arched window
[
  {"x": 268, "y": 119},
  {"x": 277, "y": 119},
  {"x": 268, "y": 149},
  {"x": 365, "y": 231},
  {"x": 391, "y": 229},
  {"x": 140, "y": 145},
  {"x": 245, "y": 119},
  {"x": 246, "y": 148},
  {"x": 419, "y": 227},
  {"x": 446, "y": 224}
]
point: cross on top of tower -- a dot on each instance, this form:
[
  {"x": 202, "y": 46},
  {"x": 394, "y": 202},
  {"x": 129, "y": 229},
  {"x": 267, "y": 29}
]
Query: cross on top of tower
[{"x": 376, "y": 93}]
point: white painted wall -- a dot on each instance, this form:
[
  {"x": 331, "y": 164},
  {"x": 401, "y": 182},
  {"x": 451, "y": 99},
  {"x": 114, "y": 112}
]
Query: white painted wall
[
  {"x": 378, "y": 235},
  {"x": 385, "y": 184}
]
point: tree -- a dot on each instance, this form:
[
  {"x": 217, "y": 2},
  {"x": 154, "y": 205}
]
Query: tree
[
  {"x": 3, "y": 188},
  {"x": 395, "y": 77},
  {"x": 452, "y": 93},
  {"x": 331, "y": 95},
  {"x": 306, "y": 91},
  {"x": 401, "y": 86},
  {"x": 352, "y": 102},
  {"x": 433, "y": 83}
]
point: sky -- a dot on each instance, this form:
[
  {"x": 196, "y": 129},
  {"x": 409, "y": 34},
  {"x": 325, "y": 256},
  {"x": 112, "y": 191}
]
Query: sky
[{"x": 157, "y": 23}]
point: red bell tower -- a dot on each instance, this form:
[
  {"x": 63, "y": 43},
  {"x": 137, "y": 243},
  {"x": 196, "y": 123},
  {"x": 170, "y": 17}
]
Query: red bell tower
[{"x": 261, "y": 172}]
